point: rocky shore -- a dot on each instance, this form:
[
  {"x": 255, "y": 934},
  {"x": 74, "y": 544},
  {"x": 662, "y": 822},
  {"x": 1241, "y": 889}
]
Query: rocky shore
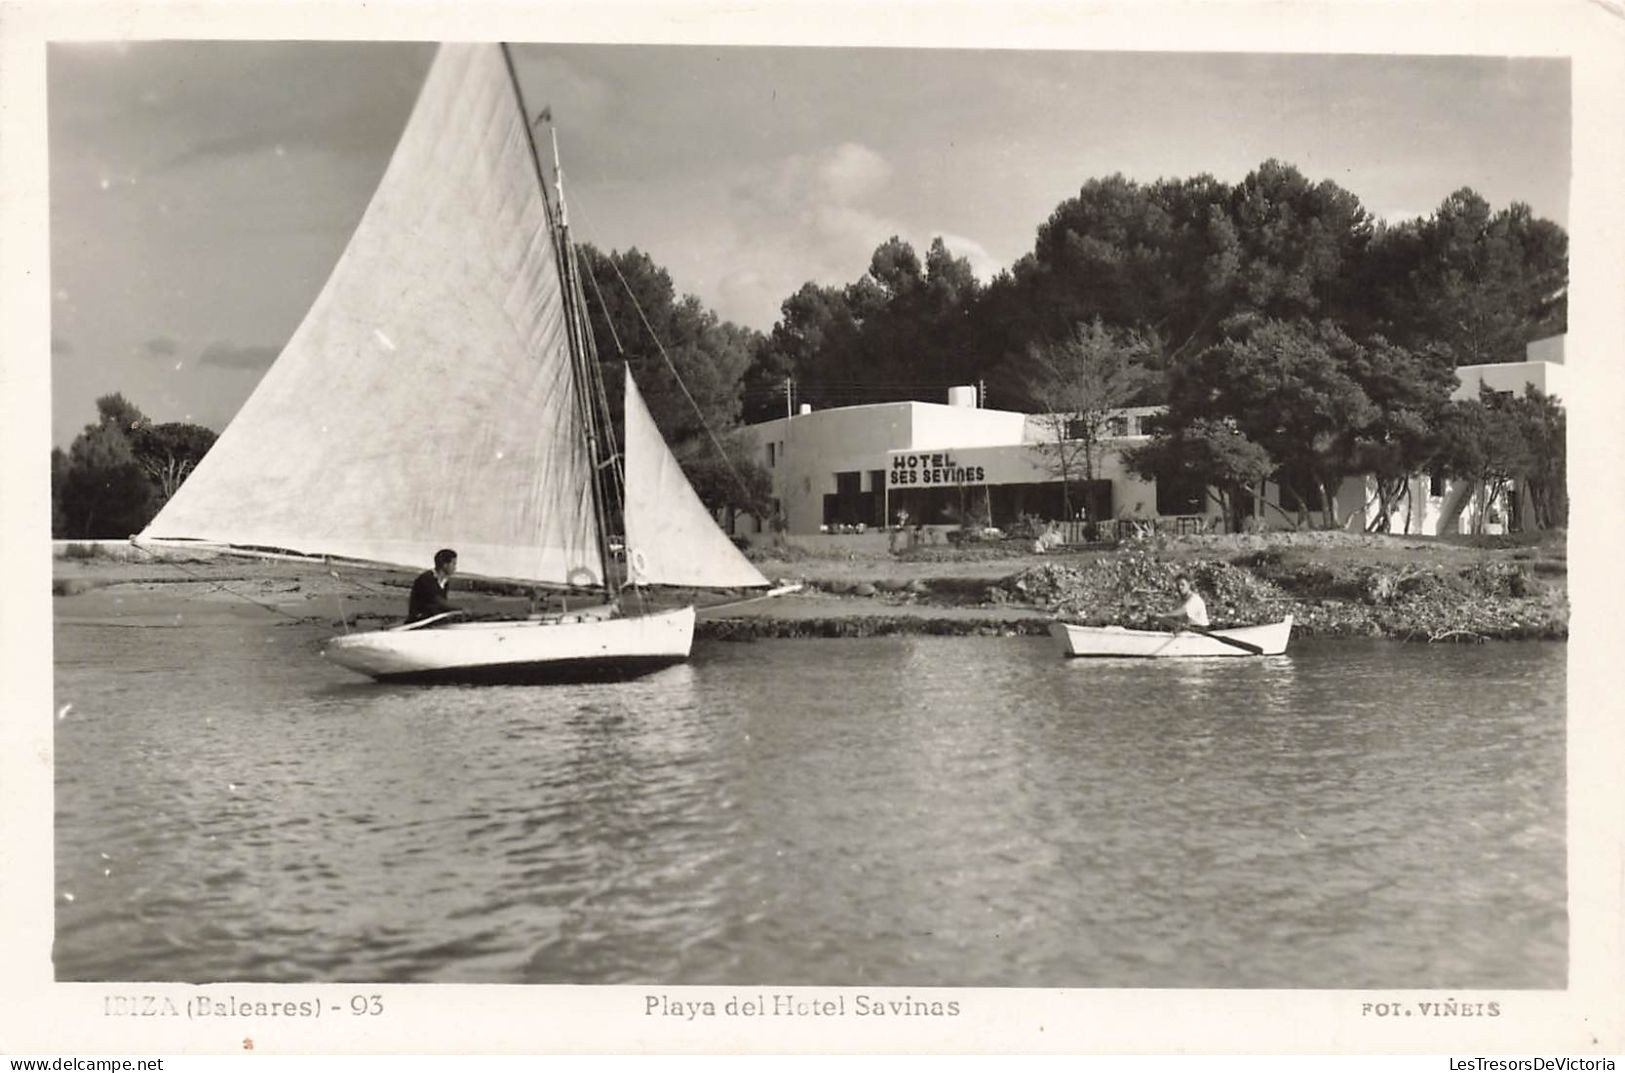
[{"x": 1333, "y": 584}]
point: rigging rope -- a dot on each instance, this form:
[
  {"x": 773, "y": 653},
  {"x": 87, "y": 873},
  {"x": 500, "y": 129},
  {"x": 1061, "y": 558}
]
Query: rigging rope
[
  {"x": 670, "y": 365},
  {"x": 331, "y": 571},
  {"x": 613, "y": 334},
  {"x": 615, "y": 460},
  {"x": 218, "y": 585}
]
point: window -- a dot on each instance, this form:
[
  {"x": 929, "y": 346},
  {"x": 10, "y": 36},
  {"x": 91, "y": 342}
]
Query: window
[
  {"x": 1117, "y": 426},
  {"x": 848, "y": 484},
  {"x": 771, "y": 453},
  {"x": 1180, "y": 497},
  {"x": 1436, "y": 483}
]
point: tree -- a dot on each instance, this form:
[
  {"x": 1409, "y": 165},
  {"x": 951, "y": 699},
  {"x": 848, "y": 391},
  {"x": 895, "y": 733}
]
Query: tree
[
  {"x": 945, "y": 305},
  {"x": 116, "y": 412},
  {"x": 1074, "y": 386},
  {"x": 1162, "y": 257},
  {"x": 1481, "y": 443},
  {"x": 1483, "y": 283},
  {"x": 897, "y": 331},
  {"x": 896, "y": 268},
  {"x": 1209, "y": 452},
  {"x": 1408, "y": 389},
  {"x": 814, "y": 323},
  {"x": 1179, "y": 258},
  {"x": 734, "y": 481},
  {"x": 688, "y": 363},
  {"x": 949, "y": 279},
  {"x": 59, "y": 478},
  {"x": 105, "y": 490},
  {"x": 1288, "y": 387},
  {"x": 889, "y": 357},
  {"x": 1300, "y": 243},
  {"x": 636, "y": 316},
  {"x": 169, "y": 452},
  {"x": 1541, "y": 423}
]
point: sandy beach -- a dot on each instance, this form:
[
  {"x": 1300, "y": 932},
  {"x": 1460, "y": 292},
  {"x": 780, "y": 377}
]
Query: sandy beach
[{"x": 1336, "y": 584}]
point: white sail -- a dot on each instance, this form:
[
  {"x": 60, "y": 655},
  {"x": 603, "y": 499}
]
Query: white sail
[
  {"x": 427, "y": 399},
  {"x": 671, "y": 538}
]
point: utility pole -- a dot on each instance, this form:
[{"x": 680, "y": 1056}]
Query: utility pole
[{"x": 784, "y": 481}]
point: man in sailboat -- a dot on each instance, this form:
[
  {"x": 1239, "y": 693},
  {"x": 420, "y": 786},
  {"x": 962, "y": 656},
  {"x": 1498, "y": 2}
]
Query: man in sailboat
[{"x": 429, "y": 590}]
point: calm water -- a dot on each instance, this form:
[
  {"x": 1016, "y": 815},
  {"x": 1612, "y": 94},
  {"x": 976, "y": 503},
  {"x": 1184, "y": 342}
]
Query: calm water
[{"x": 905, "y": 811}]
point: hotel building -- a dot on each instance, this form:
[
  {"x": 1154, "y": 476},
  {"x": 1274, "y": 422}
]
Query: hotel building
[{"x": 938, "y": 463}]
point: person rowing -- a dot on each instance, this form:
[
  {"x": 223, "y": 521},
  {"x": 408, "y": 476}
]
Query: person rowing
[{"x": 1192, "y": 613}]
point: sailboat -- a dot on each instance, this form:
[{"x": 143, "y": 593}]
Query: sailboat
[{"x": 443, "y": 390}]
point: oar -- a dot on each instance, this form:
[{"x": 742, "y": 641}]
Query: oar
[
  {"x": 1231, "y": 641},
  {"x": 432, "y": 620},
  {"x": 1184, "y": 624}
]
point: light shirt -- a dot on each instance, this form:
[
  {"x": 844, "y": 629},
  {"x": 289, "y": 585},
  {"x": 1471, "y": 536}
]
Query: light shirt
[{"x": 1195, "y": 609}]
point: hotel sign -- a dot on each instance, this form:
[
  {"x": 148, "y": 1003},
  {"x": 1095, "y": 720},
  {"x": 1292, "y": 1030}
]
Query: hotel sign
[{"x": 932, "y": 468}]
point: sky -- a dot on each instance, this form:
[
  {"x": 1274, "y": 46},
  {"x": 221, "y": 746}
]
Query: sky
[{"x": 202, "y": 191}]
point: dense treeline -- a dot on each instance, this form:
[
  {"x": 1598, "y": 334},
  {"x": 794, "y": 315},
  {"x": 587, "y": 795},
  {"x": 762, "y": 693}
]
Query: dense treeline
[
  {"x": 637, "y": 317},
  {"x": 1180, "y": 262},
  {"x": 1289, "y": 333},
  {"x": 120, "y": 470}
]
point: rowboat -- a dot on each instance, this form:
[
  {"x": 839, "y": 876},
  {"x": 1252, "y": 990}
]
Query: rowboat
[{"x": 1269, "y": 639}]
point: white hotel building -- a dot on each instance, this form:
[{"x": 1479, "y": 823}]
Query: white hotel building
[{"x": 863, "y": 465}]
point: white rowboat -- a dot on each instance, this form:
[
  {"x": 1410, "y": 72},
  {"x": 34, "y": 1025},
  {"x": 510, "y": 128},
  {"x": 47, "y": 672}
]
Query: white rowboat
[{"x": 1116, "y": 641}]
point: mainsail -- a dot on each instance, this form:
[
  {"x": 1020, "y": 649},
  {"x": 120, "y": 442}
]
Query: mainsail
[
  {"x": 427, "y": 399},
  {"x": 670, "y": 537}
]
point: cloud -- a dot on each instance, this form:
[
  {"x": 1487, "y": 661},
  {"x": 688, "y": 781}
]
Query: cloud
[
  {"x": 821, "y": 207},
  {"x": 852, "y": 173},
  {"x": 820, "y": 217},
  {"x": 746, "y": 297},
  {"x": 231, "y": 356},
  {"x": 1399, "y": 215},
  {"x": 175, "y": 104},
  {"x": 984, "y": 264},
  {"x": 161, "y": 347}
]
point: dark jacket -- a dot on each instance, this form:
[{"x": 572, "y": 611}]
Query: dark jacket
[{"x": 428, "y": 598}]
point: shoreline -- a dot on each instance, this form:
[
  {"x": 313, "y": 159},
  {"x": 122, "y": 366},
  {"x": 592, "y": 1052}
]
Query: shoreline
[{"x": 1334, "y": 584}]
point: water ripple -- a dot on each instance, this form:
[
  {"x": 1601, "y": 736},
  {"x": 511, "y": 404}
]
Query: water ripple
[{"x": 957, "y": 811}]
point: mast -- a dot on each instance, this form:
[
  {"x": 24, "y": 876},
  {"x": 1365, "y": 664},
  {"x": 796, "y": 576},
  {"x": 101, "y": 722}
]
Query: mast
[{"x": 577, "y": 333}]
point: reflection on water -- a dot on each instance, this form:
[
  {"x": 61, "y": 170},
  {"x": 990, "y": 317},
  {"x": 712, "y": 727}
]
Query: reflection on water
[{"x": 905, "y": 811}]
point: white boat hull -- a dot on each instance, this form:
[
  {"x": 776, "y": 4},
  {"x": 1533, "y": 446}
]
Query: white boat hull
[
  {"x": 1109, "y": 641},
  {"x": 567, "y": 648}
]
